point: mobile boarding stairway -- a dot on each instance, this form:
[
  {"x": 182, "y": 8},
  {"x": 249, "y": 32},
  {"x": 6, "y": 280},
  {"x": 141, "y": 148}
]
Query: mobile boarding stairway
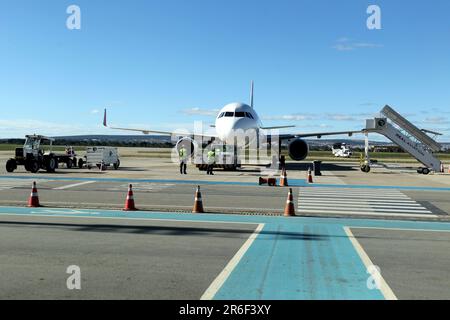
[{"x": 407, "y": 136}]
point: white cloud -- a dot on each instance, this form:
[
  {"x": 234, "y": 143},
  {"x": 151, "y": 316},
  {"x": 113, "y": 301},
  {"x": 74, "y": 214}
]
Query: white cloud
[
  {"x": 200, "y": 112},
  {"x": 290, "y": 117},
  {"x": 95, "y": 111},
  {"x": 346, "y": 44},
  {"x": 320, "y": 116},
  {"x": 436, "y": 120},
  {"x": 20, "y": 127},
  {"x": 368, "y": 104}
]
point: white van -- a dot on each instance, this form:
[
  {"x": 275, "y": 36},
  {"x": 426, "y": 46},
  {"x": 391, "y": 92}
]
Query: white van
[{"x": 102, "y": 157}]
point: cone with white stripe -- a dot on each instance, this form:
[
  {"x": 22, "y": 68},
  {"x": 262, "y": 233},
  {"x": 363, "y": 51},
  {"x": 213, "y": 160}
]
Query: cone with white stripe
[
  {"x": 198, "y": 203},
  {"x": 289, "y": 210},
  {"x": 283, "y": 179},
  {"x": 129, "y": 202},
  {"x": 33, "y": 200},
  {"x": 310, "y": 179}
]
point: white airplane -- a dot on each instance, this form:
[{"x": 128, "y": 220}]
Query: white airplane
[{"x": 235, "y": 118}]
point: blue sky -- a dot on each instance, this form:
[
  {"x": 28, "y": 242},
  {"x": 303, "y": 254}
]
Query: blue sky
[{"x": 165, "y": 64}]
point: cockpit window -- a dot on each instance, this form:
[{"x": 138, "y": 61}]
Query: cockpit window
[
  {"x": 240, "y": 114},
  {"x": 221, "y": 115},
  {"x": 249, "y": 115},
  {"x": 229, "y": 114}
]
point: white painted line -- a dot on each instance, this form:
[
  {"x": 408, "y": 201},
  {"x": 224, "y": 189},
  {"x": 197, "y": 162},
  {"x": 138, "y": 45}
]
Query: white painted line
[
  {"x": 395, "y": 193},
  {"x": 400, "y": 229},
  {"x": 319, "y": 200},
  {"x": 356, "y": 190},
  {"x": 384, "y": 287},
  {"x": 399, "y": 214},
  {"x": 223, "y": 276},
  {"x": 353, "y": 195},
  {"x": 360, "y": 205},
  {"x": 73, "y": 185},
  {"x": 318, "y": 196},
  {"x": 370, "y": 209},
  {"x": 365, "y": 208}
]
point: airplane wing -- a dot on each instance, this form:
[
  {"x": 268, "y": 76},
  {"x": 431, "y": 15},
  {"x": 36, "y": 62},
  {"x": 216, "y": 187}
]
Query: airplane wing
[
  {"x": 317, "y": 134},
  {"x": 277, "y": 127},
  {"x": 148, "y": 131}
]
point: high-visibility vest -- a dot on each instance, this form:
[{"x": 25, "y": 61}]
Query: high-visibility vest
[
  {"x": 182, "y": 154},
  {"x": 211, "y": 157}
]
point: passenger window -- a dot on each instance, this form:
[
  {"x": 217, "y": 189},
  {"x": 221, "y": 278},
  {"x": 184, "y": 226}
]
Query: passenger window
[
  {"x": 229, "y": 114},
  {"x": 240, "y": 114}
]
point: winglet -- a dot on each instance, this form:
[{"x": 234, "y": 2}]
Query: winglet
[{"x": 104, "y": 119}]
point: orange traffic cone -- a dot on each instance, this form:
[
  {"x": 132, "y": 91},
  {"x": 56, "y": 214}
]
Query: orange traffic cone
[
  {"x": 289, "y": 210},
  {"x": 198, "y": 203},
  {"x": 33, "y": 200},
  {"x": 310, "y": 179},
  {"x": 129, "y": 202},
  {"x": 283, "y": 179}
]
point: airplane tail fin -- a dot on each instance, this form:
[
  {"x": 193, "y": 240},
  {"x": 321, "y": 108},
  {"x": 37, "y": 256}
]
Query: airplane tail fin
[
  {"x": 104, "y": 119},
  {"x": 251, "y": 94}
]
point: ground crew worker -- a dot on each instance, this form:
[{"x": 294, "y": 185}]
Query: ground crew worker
[
  {"x": 182, "y": 153},
  {"x": 211, "y": 160}
]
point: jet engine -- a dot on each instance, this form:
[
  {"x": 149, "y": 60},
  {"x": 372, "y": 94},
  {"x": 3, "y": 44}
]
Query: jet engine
[
  {"x": 189, "y": 144},
  {"x": 298, "y": 149}
]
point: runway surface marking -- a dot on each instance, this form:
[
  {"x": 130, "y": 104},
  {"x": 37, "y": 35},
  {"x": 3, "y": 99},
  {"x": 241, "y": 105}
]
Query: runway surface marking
[
  {"x": 400, "y": 229},
  {"x": 290, "y": 258},
  {"x": 6, "y": 184},
  {"x": 142, "y": 186},
  {"x": 383, "y": 286},
  {"x": 359, "y": 202},
  {"x": 223, "y": 276},
  {"x": 73, "y": 185},
  {"x": 292, "y": 182},
  {"x": 331, "y": 178}
]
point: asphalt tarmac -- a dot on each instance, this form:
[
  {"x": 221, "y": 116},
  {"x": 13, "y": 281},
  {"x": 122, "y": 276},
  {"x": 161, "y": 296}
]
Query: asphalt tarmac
[{"x": 251, "y": 252}]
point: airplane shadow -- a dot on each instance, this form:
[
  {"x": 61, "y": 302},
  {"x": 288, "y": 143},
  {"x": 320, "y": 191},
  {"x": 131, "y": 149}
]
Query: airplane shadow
[{"x": 169, "y": 230}]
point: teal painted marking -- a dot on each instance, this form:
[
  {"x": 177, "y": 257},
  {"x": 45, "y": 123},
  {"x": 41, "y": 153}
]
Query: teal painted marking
[
  {"x": 292, "y": 258},
  {"x": 299, "y": 262},
  {"x": 292, "y": 183},
  {"x": 218, "y": 217},
  {"x": 193, "y": 182}
]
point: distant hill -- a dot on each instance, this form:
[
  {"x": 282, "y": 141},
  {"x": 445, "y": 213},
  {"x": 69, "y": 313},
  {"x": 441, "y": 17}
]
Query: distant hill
[{"x": 119, "y": 138}]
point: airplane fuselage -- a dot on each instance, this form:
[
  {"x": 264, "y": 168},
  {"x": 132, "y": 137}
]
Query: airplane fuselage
[{"x": 234, "y": 120}]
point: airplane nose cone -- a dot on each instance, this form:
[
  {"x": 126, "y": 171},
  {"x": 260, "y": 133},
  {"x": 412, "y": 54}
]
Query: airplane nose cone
[
  {"x": 239, "y": 124},
  {"x": 237, "y": 132}
]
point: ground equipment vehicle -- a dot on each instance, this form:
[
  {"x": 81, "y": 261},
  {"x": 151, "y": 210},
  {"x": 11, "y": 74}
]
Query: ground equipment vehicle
[{"x": 33, "y": 157}]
